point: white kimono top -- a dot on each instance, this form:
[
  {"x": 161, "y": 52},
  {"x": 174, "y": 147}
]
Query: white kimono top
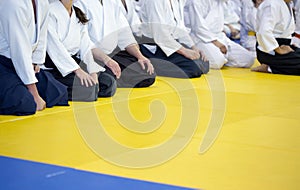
[
  {"x": 297, "y": 16},
  {"x": 248, "y": 15},
  {"x": 237, "y": 6},
  {"x": 205, "y": 18},
  {"x": 107, "y": 26},
  {"x": 132, "y": 16},
  {"x": 21, "y": 39},
  {"x": 165, "y": 24},
  {"x": 67, "y": 37},
  {"x": 248, "y": 22},
  {"x": 230, "y": 16},
  {"x": 274, "y": 20}
]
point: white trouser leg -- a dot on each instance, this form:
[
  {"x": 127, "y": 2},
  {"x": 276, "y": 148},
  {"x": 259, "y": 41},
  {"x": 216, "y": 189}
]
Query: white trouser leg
[{"x": 214, "y": 55}]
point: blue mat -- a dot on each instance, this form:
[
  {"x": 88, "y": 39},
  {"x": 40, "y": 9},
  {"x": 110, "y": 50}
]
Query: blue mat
[{"x": 16, "y": 174}]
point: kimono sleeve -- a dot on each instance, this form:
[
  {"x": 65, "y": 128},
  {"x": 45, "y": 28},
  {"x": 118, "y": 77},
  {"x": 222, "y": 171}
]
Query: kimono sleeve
[
  {"x": 198, "y": 25},
  {"x": 56, "y": 50},
  {"x": 39, "y": 53},
  {"x": 86, "y": 54},
  {"x": 160, "y": 27},
  {"x": 266, "y": 21},
  {"x": 125, "y": 35},
  {"x": 16, "y": 34}
]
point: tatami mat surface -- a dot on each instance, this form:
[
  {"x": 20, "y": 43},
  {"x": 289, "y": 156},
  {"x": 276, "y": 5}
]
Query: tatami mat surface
[{"x": 253, "y": 117}]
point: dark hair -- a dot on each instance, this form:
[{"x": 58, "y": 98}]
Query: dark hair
[
  {"x": 254, "y": 2},
  {"x": 80, "y": 15}
]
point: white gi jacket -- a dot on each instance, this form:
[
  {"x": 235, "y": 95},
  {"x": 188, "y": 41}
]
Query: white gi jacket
[
  {"x": 107, "y": 26},
  {"x": 297, "y": 16},
  {"x": 248, "y": 22},
  {"x": 274, "y": 20},
  {"x": 249, "y": 15},
  {"x": 67, "y": 37},
  {"x": 230, "y": 16},
  {"x": 132, "y": 16},
  {"x": 237, "y": 6},
  {"x": 21, "y": 40},
  {"x": 296, "y": 39},
  {"x": 165, "y": 24},
  {"x": 204, "y": 20}
]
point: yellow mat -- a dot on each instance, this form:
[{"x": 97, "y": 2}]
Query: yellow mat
[{"x": 231, "y": 129}]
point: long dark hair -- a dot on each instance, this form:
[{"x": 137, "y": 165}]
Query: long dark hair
[{"x": 80, "y": 15}]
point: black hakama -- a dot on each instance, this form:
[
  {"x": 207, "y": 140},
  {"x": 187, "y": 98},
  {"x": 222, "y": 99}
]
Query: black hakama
[
  {"x": 15, "y": 99},
  {"x": 133, "y": 76},
  {"x": 176, "y": 65},
  {"x": 288, "y": 64},
  {"x": 78, "y": 92}
]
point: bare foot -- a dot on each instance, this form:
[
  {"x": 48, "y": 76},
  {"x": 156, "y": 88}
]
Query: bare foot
[{"x": 262, "y": 68}]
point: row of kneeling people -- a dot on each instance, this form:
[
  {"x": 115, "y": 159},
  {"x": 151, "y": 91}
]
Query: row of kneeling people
[{"x": 84, "y": 49}]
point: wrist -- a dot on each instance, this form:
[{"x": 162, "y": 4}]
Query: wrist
[
  {"x": 32, "y": 89},
  {"x": 106, "y": 60},
  {"x": 139, "y": 57},
  {"x": 181, "y": 50},
  {"x": 194, "y": 48},
  {"x": 77, "y": 70}
]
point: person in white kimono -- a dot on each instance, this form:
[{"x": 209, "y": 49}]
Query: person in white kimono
[
  {"x": 110, "y": 31},
  {"x": 296, "y": 37},
  {"x": 169, "y": 46},
  {"x": 275, "y": 26},
  {"x": 232, "y": 26},
  {"x": 205, "y": 18},
  {"x": 24, "y": 87},
  {"x": 248, "y": 22},
  {"x": 70, "y": 54}
]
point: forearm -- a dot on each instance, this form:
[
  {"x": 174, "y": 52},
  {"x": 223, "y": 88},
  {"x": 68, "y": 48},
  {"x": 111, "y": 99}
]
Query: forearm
[
  {"x": 100, "y": 55},
  {"x": 181, "y": 51},
  {"x": 109, "y": 62},
  {"x": 40, "y": 103},
  {"x": 134, "y": 50},
  {"x": 33, "y": 90},
  {"x": 189, "y": 53}
]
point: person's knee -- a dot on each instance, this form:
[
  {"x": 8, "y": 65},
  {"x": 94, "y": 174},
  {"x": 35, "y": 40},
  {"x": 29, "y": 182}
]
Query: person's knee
[
  {"x": 107, "y": 85},
  {"x": 27, "y": 106},
  {"x": 250, "y": 61},
  {"x": 246, "y": 62},
  {"x": 195, "y": 72},
  {"x": 22, "y": 105},
  {"x": 217, "y": 62},
  {"x": 145, "y": 83},
  {"x": 106, "y": 93}
]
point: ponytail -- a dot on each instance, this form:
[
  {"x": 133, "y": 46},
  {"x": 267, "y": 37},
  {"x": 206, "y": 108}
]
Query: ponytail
[{"x": 80, "y": 15}]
